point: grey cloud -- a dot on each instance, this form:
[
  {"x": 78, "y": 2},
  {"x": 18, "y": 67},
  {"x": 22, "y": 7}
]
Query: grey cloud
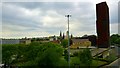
[
  {"x": 14, "y": 17},
  {"x": 83, "y": 15},
  {"x": 113, "y": 13},
  {"x": 0, "y": 12},
  {"x": 119, "y": 17},
  {"x": 119, "y": 12},
  {"x": 44, "y": 5}
]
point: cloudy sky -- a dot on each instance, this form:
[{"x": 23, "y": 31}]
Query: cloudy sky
[{"x": 37, "y": 19}]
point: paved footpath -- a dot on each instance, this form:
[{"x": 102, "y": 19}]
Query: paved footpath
[{"x": 115, "y": 64}]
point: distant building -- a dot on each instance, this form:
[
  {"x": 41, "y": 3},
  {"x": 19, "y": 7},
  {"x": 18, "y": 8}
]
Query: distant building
[
  {"x": 77, "y": 43},
  {"x": 92, "y": 39},
  {"x": 70, "y": 36},
  {"x": 10, "y": 41},
  {"x": 0, "y": 40},
  {"x": 16, "y": 41},
  {"x": 25, "y": 41},
  {"x": 102, "y": 25},
  {"x": 66, "y": 37},
  {"x": 52, "y": 38}
]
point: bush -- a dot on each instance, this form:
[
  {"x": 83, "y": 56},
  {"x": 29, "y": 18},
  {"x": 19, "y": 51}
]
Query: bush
[
  {"x": 64, "y": 43},
  {"x": 75, "y": 54},
  {"x": 85, "y": 57}
]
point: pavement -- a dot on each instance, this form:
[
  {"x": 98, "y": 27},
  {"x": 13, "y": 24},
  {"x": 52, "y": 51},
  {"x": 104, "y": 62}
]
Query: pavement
[
  {"x": 117, "y": 50},
  {"x": 114, "y": 64},
  {"x": 98, "y": 51}
]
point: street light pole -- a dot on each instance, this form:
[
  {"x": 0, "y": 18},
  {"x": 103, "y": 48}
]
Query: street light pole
[{"x": 68, "y": 16}]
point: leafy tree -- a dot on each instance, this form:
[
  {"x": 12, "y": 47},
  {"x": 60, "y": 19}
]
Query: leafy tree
[
  {"x": 49, "y": 57},
  {"x": 35, "y": 43},
  {"x": 44, "y": 54},
  {"x": 33, "y": 39},
  {"x": 21, "y": 51},
  {"x": 8, "y": 53},
  {"x": 64, "y": 43},
  {"x": 66, "y": 57},
  {"x": 75, "y": 53},
  {"x": 114, "y": 39},
  {"x": 85, "y": 57},
  {"x": 117, "y": 41}
]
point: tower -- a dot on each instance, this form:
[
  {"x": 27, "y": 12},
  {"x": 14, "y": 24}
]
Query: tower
[
  {"x": 102, "y": 25},
  {"x": 66, "y": 37}
]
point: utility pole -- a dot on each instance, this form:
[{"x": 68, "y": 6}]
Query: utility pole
[{"x": 68, "y": 16}]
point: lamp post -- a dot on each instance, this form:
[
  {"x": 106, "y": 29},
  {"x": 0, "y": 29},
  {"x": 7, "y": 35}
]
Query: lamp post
[{"x": 68, "y": 16}]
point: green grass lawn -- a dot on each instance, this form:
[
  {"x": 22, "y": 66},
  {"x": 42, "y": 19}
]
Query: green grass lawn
[
  {"x": 94, "y": 64},
  {"x": 97, "y": 63}
]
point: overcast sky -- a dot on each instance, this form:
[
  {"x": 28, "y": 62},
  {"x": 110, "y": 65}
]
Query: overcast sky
[{"x": 38, "y": 19}]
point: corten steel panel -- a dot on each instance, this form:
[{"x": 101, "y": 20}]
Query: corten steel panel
[{"x": 102, "y": 25}]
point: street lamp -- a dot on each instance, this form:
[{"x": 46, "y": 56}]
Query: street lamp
[{"x": 68, "y": 16}]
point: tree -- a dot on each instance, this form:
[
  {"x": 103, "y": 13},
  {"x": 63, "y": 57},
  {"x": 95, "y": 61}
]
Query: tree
[
  {"x": 64, "y": 43},
  {"x": 117, "y": 41},
  {"x": 66, "y": 53},
  {"x": 49, "y": 57},
  {"x": 8, "y": 53},
  {"x": 85, "y": 57},
  {"x": 35, "y": 54},
  {"x": 114, "y": 39}
]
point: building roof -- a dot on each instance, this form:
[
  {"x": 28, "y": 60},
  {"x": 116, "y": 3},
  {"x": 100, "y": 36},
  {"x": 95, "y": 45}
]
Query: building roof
[{"x": 79, "y": 40}]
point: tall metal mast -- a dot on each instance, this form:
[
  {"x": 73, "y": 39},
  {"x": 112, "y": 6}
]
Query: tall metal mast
[{"x": 68, "y": 16}]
